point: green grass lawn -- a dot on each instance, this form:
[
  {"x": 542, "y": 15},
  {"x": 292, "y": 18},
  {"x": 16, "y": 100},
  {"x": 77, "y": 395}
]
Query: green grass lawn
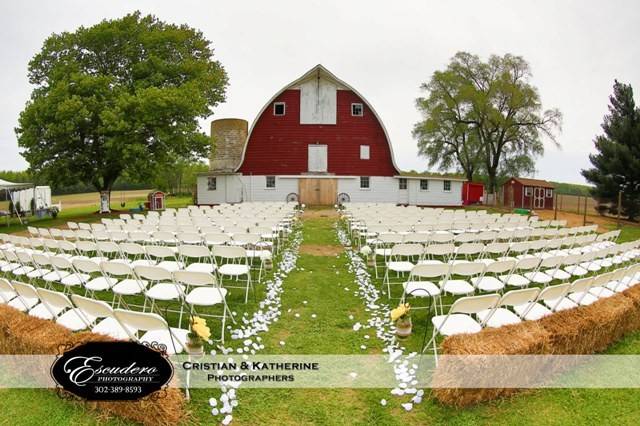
[{"x": 320, "y": 281}]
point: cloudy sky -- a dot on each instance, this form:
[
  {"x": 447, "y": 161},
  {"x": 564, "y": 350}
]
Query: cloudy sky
[{"x": 384, "y": 49}]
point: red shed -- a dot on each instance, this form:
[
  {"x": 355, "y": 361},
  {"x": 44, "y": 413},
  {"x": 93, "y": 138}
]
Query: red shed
[
  {"x": 472, "y": 193},
  {"x": 155, "y": 200},
  {"x": 528, "y": 193}
]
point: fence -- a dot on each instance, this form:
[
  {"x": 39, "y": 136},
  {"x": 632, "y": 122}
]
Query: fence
[
  {"x": 565, "y": 203},
  {"x": 576, "y": 204}
]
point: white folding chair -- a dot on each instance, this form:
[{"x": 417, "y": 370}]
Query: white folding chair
[
  {"x": 459, "y": 319},
  {"x": 161, "y": 285},
  {"x": 164, "y": 257},
  {"x": 233, "y": 262},
  {"x": 551, "y": 295},
  {"x": 196, "y": 258},
  {"x": 489, "y": 281},
  {"x": 103, "y": 320},
  {"x": 516, "y": 278},
  {"x": 152, "y": 328},
  {"x": 461, "y": 276},
  {"x": 127, "y": 284},
  {"x": 62, "y": 310},
  {"x": 501, "y": 315},
  {"x": 94, "y": 280},
  {"x": 203, "y": 289},
  {"x": 28, "y": 301},
  {"x": 7, "y": 293},
  {"x": 420, "y": 282}
]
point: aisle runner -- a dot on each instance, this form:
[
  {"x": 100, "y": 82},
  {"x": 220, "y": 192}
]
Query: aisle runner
[
  {"x": 269, "y": 311},
  {"x": 380, "y": 320}
]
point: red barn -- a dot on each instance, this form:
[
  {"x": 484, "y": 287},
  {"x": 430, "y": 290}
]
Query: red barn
[
  {"x": 528, "y": 193},
  {"x": 316, "y": 140}
]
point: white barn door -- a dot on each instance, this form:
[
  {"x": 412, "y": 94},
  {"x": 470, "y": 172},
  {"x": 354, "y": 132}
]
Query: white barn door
[{"x": 317, "y": 158}]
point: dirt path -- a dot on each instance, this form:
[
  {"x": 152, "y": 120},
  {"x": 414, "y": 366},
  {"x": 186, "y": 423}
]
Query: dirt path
[{"x": 574, "y": 219}]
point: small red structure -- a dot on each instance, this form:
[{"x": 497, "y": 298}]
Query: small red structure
[
  {"x": 472, "y": 193},
  {"x": 155, "y": 200},
  {"x": 528, "y": 193}
]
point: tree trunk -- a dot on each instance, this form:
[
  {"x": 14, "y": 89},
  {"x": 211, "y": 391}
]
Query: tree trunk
[
  {"x": 469, "y": 176},
  {"x": 491, "y": 181}
]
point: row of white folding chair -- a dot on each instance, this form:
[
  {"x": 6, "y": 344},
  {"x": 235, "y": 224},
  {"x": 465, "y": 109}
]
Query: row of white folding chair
[
  {"x": 262, "y": 237},
  {"x": 196, "y": 288},
  {"x": 485, "y": 237},
  {"x": 493, "y": 275},
  {"x": 79, "y": 313},
  {"x": 255, "y": 245},
  {"x": 390, "y": 248},
  {"x": 73, "y": 270},
  {"x": 492, "y": 310}
]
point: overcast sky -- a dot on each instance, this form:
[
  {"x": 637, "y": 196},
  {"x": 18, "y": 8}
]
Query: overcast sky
[{"x": 384, "y": 49}]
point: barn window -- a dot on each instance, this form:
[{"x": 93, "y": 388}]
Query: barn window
[
  {"x": 279, "y": 108},
  {"x": 424, "y": 184},
  {"x": 446, "y": 185},
  {"x": 271, "y": 181},
  {"x": 364, "y": 152},
  {"x": 549, "y": 193},
  {"x": 528, "y": 191},
  {"x": 402, "y": 183},
  {"x": 212, "y": 184},
  {"x": 357, "y": 110},
  {"x": 364, "y": 182}
]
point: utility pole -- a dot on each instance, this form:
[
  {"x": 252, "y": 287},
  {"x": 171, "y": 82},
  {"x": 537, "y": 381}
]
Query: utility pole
[
  {"x": 555, "y": 207},
  {"x": 619, "y": 206},
  {"x": 584, "y": 218}
]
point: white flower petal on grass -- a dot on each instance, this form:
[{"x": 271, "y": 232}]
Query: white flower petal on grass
[
  {"x": 281, "y": 342},
  {"x": 313, "y": 315},
  {"x": 407, "y": 406},
  {"x": 363, "y": 347},
  {"x": 215, "y": 411},
  {"x": 227, "y": 419},
  {"x": 383, "y": 402},
  {"x": 357, "y": 326},
  {"x": 213, "y": 402}
]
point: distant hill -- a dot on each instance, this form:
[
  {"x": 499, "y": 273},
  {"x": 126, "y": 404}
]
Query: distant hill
[{"x": 572, "y": 189}]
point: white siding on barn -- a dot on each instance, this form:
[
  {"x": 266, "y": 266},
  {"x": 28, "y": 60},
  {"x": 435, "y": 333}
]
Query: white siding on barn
[
  {"x": 381, "y": 189},
  {"x": 228, "y": 190},
  {"x": 435, "y": 195},
  {"x": 256, "y": 190}
]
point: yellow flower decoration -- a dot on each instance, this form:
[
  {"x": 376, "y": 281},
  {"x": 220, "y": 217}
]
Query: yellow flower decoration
[
  {"x": 201, "y": 330},
  {"x": 198, "y": 320},
  {"x": 400, "y": 311}
]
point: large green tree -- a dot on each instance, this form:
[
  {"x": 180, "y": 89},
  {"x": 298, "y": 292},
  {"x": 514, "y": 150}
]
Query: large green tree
[
  {"x": 122, "y": 96},
  {"x": 484, "y": 117},
  {"x": 616, "y": 164}
]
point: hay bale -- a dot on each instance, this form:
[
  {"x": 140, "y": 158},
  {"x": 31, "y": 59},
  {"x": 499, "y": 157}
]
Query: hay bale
[
  {"x": 633, "y": 294},
  {"x": 24, "y": 334},
  {"x": 525, "y": 338},
  {"x": 583, "y": 330},
  {"x": 589, "y": 329}
]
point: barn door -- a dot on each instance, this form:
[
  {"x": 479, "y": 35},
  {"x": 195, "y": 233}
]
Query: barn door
[
  {"x": 538, "y": 198},
  {"x": 318, "y": 158},
  {"x": 315, "y": 192}
]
